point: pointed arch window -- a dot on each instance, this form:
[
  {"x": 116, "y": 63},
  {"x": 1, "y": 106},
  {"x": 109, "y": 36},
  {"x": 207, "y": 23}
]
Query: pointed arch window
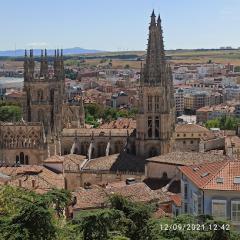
[
  {"x": 156, "y": 103},
  {"x": 150, "y": 127},
  {"x": 157, "y": 127},
  {"x": 150, "y": 103}
]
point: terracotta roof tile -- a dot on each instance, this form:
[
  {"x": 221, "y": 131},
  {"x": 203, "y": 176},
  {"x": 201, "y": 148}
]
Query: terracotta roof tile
[
  {"x": 177, "y": 200},
  {"x": 97, "y": 196},
  {"x": 116, "y": 162},
  {"x": 188, "y": 158},
  {"x": 44, "y": 178},
  {"x": 190, "y": 128},
  {"x": 214, "y": 176}
]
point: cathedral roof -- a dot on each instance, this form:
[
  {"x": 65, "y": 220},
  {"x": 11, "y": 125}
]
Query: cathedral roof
[
  {"x": 66, "y": 159},
  {"x": 95, "y": 132},
  {"x": 117, "y": 162},
  {"x": 187, "y": 158}
]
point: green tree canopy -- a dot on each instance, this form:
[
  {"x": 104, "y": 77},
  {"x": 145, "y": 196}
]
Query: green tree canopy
[{"x": 10, "y": 113}]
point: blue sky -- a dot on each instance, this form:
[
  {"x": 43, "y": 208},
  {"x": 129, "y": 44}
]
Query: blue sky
[{"x": 117, "y": 24}]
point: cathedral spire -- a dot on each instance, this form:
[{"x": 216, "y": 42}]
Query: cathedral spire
[
  {"x": 31, "y": 64},
  {"x": 161, "y": 45},
  {"x": 153, "y": 19},
  {"x": 26, "y": 61},
  {"x": 152, "y": 72},
  {"x": 44, "y": 64}
]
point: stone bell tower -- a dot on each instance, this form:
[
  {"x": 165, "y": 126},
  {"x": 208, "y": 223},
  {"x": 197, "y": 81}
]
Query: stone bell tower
[
  {"x": 44, "y": 91},
  {"x": 156, "y": 118}
]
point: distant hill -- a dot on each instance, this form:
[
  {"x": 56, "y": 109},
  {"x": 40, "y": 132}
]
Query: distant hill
[{"x": 37, "y": 52}]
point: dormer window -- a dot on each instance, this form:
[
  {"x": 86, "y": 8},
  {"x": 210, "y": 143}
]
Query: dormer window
[
  {"x": 219, "y": 180},
  {"x": 236, "y": 180}
]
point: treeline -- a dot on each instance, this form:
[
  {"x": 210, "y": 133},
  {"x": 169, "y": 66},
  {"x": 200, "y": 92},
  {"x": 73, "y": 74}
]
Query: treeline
[
  {"x": 25, "y": 215},
  {"x": 224, "y": 123}
]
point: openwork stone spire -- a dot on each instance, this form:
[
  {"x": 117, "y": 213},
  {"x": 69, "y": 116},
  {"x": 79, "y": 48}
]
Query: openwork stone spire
[{"x": 155, "y": 60}]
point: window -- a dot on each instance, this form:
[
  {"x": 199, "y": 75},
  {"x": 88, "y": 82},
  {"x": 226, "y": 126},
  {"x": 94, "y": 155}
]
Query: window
[
  {"x": 185, "y": 208},
  {"x": 17, "y": 160},
  {"x": 191, "y": 142},
  {"x": 235, "y": 211},
  {"x": 21, "y": 158},
  {"x": 149, "y": 127},
  {"x": 219, "y": 208},
  {"x": 156, "y": 103},
  {"x": 157, "y": 127},
  {"x": 195, "y": 204},
  {"x": 185, "y": 190},
  {"x": 149, "y": 103},
  {"x": 176, "y": 212},
  {"x": 184, "y": 142}
]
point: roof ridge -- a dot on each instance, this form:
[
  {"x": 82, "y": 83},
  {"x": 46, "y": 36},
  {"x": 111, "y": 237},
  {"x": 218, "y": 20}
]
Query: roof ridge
[{"x": 224, "y": 165}]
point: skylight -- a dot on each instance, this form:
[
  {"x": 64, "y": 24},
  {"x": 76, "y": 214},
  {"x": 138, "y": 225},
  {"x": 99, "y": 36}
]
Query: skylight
[
  {"x": 219, "y": 180},
  {"x": 205, "y": 174},
  {"x": 195, "y": 169},
  {"x": 236, "y": 180}
]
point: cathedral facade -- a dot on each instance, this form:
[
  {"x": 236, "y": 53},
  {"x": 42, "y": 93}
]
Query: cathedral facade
[{"x": 53, "y": 125}]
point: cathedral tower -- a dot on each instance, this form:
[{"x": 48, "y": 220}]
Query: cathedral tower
[
  {"x": 156, "y": 118},
  {"x": 44, "y": 91}
]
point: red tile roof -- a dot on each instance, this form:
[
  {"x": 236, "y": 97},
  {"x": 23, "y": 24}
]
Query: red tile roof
[
  {"x": 214, "y": 176},
  {"x": 177, "y": 200},
  {"x": 98, "y": 196}
]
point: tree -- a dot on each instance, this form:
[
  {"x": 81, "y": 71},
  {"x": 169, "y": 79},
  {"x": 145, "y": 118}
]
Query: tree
[
  {"x": 137, "y": 215},
  {"x": 98, "y": 224},
  {"x": 26, "y": 216},
  {"x": 224, "y": 123},
  {"x": 10, "y": 113},
  {"x": 59, "y": 199}
]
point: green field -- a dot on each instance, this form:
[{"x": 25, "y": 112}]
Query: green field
[{"x": 121, "y": 59}]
